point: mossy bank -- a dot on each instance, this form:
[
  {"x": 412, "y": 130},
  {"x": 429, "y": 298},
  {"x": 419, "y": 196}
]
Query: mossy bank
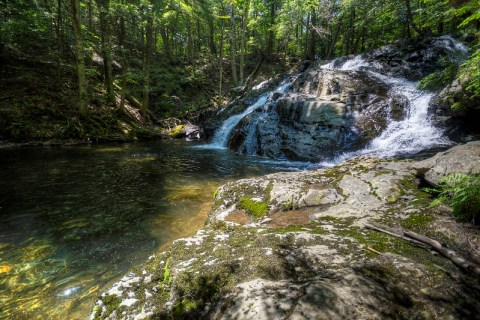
[{"x": 293, "y": 245}]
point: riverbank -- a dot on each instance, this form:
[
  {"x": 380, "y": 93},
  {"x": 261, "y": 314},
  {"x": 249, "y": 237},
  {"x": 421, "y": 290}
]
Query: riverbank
[{"x": 294, "y": 245}]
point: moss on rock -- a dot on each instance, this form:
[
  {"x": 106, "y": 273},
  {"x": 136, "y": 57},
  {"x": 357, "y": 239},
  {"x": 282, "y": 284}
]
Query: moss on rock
[{"x": 257, "y": 209}]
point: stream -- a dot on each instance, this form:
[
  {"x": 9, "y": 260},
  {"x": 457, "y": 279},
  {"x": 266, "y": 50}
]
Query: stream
[{"x": 75, "y": 219}]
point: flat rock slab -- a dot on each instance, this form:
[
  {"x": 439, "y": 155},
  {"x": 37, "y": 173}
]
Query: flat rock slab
[{"x": 309, "y": 257}]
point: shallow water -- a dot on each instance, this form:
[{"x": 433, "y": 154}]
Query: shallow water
[{"x": 73, "y": 220}]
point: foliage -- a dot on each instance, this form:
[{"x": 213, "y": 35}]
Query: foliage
[
  {"x": 462, "y": 193},
  {"x": 176, "y": 56},
  {"x": 441, "y": 77},
  {"x": 470, "y": 74},
  {"x": 257, "y": 209}
]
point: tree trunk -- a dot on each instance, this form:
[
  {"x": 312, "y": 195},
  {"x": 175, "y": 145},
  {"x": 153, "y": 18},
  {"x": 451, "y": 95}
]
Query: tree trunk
[
  {"x": 166, "y": 42},
  {"x": 59, "y": 39},
  {"x": 271, "y": 33},
  {"x": 146, "y": 64},
  {"x": 121, "y": 38},
  {"x": 104, "y": 7},
  {"x": 80, "y": 63},
  {"x": 313, "y": 37},
  {"x": 211, "y": 37},
  {"x": 233, "y": 47},
  {"x": 90, "y": 15},
  {"x": 188, "y": 24},
  {"x": 410, "y": 21},
  {"x": 306, "y": 37},
  {"x": 220, "y": 58},
  {"x": 243, "y": 35}
]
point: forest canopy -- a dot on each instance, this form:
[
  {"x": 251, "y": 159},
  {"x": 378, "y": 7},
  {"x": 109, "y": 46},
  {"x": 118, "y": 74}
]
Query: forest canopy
[{"x": 170, "y": 57}]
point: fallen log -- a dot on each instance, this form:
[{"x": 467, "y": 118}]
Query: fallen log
[
  {"x": 446, "y": 252},
  {"x": 426, "y": 242},
  {"x": 415, "y": 242}
]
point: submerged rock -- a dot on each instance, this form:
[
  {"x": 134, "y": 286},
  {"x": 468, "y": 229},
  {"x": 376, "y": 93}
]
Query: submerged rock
[{"x": 307, "y": 256}]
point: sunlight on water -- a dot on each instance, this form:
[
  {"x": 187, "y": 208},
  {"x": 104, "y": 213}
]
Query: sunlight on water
[{"x": 74, "y": 220}]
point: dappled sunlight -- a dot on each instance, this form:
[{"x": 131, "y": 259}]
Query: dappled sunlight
[{"x": 70, "y": 228}]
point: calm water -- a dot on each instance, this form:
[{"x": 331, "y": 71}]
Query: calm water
[{"x": 73, "y": 220}]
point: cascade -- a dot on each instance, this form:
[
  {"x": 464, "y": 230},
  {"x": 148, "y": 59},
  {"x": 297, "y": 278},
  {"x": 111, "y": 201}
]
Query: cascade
[
  {"x": 411, "y": 135},
  {"x": 286, "y": 126},
  {"x": 222, "y": 134}
]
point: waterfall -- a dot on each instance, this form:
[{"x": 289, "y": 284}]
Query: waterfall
[
  {"x": 411, "y": 135},
  {"x": 222, "y": 134},
  {"x": 319, "y": 120},
  {"x": 415, "y": 132}
]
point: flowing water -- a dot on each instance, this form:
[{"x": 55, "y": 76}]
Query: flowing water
[
  {"x": 73, "y": 220},
  {"x": 414, "y": 134},
  {"x": 407, "y": 137},
  {"x": 222, "y": 134}
]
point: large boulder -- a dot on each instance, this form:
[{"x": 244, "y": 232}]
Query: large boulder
[
  {"x": 327, "y": 113},
  {"x": 415, "y": 59},
  {"x": 293, "y": 245},
  {"x": 343, "y": 105},
  {"x": 460, "y": 159}
]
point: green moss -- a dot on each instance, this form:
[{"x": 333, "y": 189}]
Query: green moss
[
  {"x": 294, "y": 228},
  {"x": 256, "y": 209},
  {"x": 176, "y": 132},
  {"x": 417, "y": 221},
  {"x": 183, "y": 308},
  {"x": 111, "y": 302},
  {"x": 384, "y": 243},
  {"x": 167, "y": 275}
]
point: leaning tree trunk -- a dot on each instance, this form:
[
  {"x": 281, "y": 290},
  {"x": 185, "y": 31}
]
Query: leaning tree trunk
[
  {"x": 104, "y": 6},
  {"x": 146, "y": 65},
  {"x": 243, "y": 35},
  {"x": 80, "y": 63}
]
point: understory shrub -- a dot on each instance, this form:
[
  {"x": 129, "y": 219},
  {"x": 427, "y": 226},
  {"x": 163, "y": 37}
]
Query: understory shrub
[{"x": 462, "y": 193}]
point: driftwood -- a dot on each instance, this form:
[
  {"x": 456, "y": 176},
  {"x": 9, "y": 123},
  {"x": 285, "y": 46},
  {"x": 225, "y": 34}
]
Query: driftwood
[
  {"x": 413, "y": 241},
  {"x": 427, "y": 242},
  {"x": 446, "y": 252}
]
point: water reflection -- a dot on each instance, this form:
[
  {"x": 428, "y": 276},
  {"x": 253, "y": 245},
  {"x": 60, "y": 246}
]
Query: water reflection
[{"x": 72, "y": 220}]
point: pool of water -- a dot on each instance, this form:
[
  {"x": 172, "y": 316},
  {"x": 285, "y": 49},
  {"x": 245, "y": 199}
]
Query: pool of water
[{"x": 75, "y": 219}]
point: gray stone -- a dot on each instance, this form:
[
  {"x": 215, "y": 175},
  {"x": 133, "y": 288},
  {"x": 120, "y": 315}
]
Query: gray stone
[
  {"x": 460, "y": 159},
  {"x": 309, "y": 257}
]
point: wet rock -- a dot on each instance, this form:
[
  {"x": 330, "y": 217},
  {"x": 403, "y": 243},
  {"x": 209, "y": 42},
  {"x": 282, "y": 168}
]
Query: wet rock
[
  {"x": 193, "y": 132},
  {"x": 324, "y": 117},
  {"x": 415, "y": 59}
]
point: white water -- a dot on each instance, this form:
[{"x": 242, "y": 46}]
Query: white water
[
  {"x": 222, "y": 134},
  {"x": 415, "y": 132},
  {"x": 411, "y": 135}
]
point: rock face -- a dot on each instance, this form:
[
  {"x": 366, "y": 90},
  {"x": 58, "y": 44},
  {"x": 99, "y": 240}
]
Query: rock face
[
  {"x": 307, "y": 256},
  {"x": 326, "y": 113},
  {"x": 459, "y": 159},
  {"x": 342, "y": 106}
]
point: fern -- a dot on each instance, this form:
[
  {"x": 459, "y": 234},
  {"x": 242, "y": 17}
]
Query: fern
[{"x": 462, "y": 193}]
